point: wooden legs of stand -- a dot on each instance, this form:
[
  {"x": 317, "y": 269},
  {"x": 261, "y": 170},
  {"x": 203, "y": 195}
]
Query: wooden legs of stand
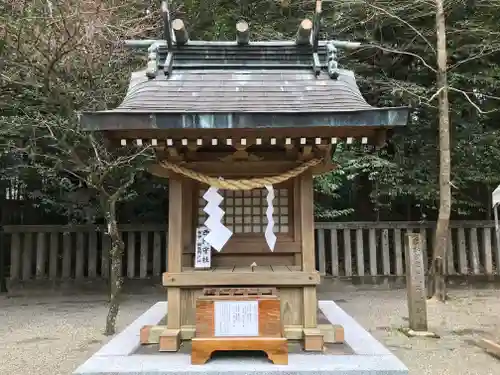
[{"x": 276, "y": 348}]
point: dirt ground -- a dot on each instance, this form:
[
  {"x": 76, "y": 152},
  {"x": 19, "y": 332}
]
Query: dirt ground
[{"x": 52, "y": 335}]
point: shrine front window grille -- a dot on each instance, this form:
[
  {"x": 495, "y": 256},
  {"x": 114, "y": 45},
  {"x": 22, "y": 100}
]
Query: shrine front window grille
[{"x": 245, "y": 211}]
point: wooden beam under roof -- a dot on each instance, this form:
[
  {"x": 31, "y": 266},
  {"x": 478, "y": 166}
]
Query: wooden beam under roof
[
  {"x": 242, "y": 32},
  {"x": 231, "y": 144},
  {"x": 180, "y": 32},
  {"x": 304, "y": 32},
  {"x": 242, "y": 138}
]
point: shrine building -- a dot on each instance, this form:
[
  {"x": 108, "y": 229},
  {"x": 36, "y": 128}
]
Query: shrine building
[{"x": 240, "y": 129}]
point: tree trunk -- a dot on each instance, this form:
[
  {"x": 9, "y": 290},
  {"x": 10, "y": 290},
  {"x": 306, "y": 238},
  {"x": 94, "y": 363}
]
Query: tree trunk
[
  {"x": 115, "y": 278},
  {"x": 441, "y": 238}
]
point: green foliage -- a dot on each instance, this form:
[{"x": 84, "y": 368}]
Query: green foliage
[
  {"x": 64, "y": 58},
  {"x": 400, "y": 68}
]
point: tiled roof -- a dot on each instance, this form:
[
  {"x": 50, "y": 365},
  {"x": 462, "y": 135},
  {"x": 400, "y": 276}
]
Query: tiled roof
[
  {"x": 225, "y": 85},
  {"x": 244, "y": 91}
]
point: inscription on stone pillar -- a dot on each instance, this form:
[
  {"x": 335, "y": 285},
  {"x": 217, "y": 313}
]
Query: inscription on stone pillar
[{"x": 415, "y": 282}]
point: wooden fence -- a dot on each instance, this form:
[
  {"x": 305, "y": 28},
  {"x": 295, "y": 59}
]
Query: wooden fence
[
  {"x": 354, "y": 249},
  {"x": 377, "y": 249}
]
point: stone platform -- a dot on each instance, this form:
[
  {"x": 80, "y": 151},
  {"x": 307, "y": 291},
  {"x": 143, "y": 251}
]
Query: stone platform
[{"x": 361, "y": 355}]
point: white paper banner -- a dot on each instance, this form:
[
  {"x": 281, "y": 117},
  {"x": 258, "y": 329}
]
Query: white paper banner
[
  {"x": 203, "y": 251},
  {"x": 269, "y": 233},
  {"x": 219, "y": 234}
]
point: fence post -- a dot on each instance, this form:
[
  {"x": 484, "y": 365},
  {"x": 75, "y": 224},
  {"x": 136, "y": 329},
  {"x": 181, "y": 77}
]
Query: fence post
[{"x": 321, "y": 251}]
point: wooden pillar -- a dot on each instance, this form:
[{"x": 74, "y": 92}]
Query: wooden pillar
[
  {"x": 297, "y": 226},
  {"x": 307, "y": 236},
  {"x": 188, "y": 217},
  {"x": 313, "y": 338},
  {"x": 170, "y": 338}
]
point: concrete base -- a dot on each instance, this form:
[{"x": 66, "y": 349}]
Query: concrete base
[{"x": 118, "y": 356}]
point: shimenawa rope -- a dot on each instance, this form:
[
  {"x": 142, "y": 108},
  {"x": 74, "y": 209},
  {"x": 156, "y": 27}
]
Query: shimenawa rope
[{"x": 243, "y": 184}]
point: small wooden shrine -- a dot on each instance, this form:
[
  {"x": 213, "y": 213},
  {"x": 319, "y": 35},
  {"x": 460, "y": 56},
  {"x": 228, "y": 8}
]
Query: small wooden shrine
[{"x": 240, "y": 128}]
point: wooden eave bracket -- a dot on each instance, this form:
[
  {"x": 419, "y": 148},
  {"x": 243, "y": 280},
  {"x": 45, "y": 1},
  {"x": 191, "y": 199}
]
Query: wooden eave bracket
[
  {"x": 174, "y": 154},
  {"x": 241, "y": 155},
  {"x": 380, "y": 138},
  {"x": 306, "y": 153}
]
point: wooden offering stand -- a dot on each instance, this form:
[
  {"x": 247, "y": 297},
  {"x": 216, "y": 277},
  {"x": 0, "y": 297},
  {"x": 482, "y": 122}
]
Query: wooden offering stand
[{"x": 239, "y": 319}]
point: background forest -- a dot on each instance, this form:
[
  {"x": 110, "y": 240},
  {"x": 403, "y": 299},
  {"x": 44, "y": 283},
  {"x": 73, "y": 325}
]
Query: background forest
[{"x": 61, "y": 57}]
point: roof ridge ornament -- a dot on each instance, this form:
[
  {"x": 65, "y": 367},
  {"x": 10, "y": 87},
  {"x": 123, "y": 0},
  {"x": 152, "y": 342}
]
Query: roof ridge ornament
[
  {"x": 153, "y": 61},
  {"x": 167, "y": 29},
  {"x": 180, "y": 32},
  {"x": 332, "y": 64},
  {"x": 315, "y": 36},
  {"x": 242, "y": 33},
  {"x": 316, "y": 25},
  {"x": 304, "y": 32}
]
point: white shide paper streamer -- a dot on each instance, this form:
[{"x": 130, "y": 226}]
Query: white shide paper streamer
[
  {"x": 269, "y": 233},
  {"x": 219, "y": 234}
]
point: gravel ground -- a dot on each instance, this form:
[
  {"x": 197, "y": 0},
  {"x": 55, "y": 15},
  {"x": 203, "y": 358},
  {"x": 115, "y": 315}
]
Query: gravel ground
[{"x": 52, "y": 335}]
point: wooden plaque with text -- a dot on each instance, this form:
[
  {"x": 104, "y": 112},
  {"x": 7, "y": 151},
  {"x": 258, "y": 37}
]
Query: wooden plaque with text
[{"x": 239, "y": 319}]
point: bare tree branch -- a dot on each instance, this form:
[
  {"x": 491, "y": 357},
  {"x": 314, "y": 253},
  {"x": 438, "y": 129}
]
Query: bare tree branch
[
  {"x": 472, "y": 103},
  {"x": 480, "y": 55},
  {"x": 399, "y": 19},
  {"x": 420, "y": 58}
]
